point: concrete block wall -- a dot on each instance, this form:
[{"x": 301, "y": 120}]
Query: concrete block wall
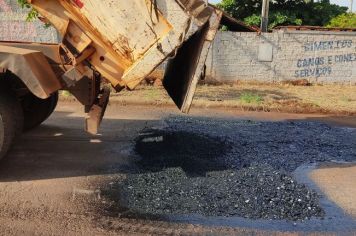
[
  {"x": 319, "y": 57},
  {"x": 13, "y": 26}
]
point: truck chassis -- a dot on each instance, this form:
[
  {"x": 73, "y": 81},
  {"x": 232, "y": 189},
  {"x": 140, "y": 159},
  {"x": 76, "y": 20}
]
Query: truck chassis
[{"x": 91, "y": 57}]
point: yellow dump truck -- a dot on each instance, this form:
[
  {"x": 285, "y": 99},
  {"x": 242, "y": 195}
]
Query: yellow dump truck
[{"x": 104, "y": 42}]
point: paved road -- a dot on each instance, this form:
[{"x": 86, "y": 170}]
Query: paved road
[{"x": 52, "y": 181}]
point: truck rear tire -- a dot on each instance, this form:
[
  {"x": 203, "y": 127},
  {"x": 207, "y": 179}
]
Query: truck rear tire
[
  {"x": 37, "y": 110},
  {"x": 11, "y": 119}
]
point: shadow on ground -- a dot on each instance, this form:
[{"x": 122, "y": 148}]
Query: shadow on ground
[
  {"x": 195, "y": 154},
  {"x": 61, "y": 148}
]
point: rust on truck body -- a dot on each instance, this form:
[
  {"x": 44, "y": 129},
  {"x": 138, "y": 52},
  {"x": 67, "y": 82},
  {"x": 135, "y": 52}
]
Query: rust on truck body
[
  {"x": 131, "y": 38},
  {"x": 125, "y": 41},
  {"x": 121, "y": 41},
  {"x": 109, "y": 41}
]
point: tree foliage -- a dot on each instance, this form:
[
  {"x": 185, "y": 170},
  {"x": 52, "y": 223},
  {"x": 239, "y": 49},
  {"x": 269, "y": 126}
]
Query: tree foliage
[
  {"x": 347, "y": 20},
  {"x": 32, "y": 14},
  {"x": 284, "y": 12},
  {"x": 275, "y": 19}
]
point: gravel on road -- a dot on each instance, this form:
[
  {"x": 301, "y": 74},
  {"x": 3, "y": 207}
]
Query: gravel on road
[
  {"x": 257, "y": 192},
  {"x": 231, "y": 168}
]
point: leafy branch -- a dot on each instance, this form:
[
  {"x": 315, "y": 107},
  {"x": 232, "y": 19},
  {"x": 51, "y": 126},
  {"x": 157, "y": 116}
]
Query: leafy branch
[{"x": 32, "y": 14}]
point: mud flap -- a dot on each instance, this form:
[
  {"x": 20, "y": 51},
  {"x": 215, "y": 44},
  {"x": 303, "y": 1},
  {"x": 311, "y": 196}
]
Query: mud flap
[{"x": 186, "y": 68}]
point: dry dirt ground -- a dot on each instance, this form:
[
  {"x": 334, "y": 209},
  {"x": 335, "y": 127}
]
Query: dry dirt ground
[
  {"x": 56, "y": 180},
  {"x": 327, "y": 99},
  {"x": 336, "y": 180}
]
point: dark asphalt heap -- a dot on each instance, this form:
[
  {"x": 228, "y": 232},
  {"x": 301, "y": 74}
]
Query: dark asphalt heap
[
  {"x": 245, "y": 168},
  {"x": 257, "y": 192},
  {"x": 283, "y": 145}
]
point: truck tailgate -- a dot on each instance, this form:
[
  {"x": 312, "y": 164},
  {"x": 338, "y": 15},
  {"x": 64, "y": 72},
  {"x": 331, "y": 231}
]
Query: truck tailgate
[{"x": 186, "y": 68}]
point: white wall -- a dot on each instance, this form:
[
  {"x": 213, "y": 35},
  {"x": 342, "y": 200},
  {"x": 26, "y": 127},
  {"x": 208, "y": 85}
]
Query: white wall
[{"x": 323, "y": 57}]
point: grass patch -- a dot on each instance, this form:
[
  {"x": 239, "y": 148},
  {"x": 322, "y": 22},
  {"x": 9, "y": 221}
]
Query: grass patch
[
  {"x": 249, "y": 98},
  {"x": 65, "y": 93},
  {"x": 152, "y": 94}
]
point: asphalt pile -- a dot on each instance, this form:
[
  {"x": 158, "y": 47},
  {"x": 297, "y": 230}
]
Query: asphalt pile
[
  {"x": 283, "y": 145},
  {"x": 257, "y": 192},
  {"x": 231, "y": 168}
]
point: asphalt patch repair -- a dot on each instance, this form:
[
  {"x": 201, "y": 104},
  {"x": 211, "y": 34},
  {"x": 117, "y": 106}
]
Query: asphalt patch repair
[{"x": 231, "y": 168}]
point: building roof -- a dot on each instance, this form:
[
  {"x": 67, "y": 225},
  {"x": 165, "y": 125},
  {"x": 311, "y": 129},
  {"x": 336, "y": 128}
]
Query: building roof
[{"x": 234, "y": 24}]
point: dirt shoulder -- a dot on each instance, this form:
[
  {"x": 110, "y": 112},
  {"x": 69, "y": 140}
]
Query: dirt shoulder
[
  {"x": 326, "y": 99},
  {"x": 334, "y": 180}
]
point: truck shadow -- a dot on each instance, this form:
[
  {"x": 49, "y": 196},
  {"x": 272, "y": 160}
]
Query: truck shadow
[
  {"x": 196, "y": 154},
  {"x": 60, "y": 148}
]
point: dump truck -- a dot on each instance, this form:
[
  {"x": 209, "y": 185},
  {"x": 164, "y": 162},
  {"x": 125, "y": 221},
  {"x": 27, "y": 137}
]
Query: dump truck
[{"x": 103, "y": 42}]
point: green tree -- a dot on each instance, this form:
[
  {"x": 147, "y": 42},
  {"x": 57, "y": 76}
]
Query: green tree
[
  {"x": 347, "y": 20},
  {"x": 320, "y": 13},
  {"x": 284, "y": 12},
  {"x": 277, "y": 18}
]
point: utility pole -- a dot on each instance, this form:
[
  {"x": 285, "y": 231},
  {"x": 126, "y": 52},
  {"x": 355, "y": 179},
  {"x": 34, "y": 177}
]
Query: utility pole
[
  {"x": 351, "y": 5},
  {"x": 264, "y": 16}
]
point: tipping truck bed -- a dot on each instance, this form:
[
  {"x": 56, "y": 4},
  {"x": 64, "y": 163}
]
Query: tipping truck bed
[
  {"x": 117, "y": 42},
  {"x": 126, "y": 40}
]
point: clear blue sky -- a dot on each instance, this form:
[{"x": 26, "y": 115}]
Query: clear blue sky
[{"x": 340, "y": 2}]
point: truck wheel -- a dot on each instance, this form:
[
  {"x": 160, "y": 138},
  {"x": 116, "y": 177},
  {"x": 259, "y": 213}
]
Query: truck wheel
[
  {"x": 11, "y": 119},
  {"x": 37, "y": 110}
]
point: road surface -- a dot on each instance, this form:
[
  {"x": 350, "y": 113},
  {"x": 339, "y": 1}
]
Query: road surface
[{"x": 58, "y": 180}]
